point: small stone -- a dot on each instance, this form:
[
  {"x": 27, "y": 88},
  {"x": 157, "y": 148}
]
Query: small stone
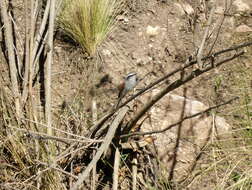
[
  {"x": 106, "y": 52},
  {"x": 122, "y": 18},
  {"x": 184, "y": 8},
  {"x": 240, "y": 6},
  {"x": 152, "y": 30},
  {"x": 134, "y": 55},
  {"x": 243, "y": 28},
  {"x": 219, "y": 10}
]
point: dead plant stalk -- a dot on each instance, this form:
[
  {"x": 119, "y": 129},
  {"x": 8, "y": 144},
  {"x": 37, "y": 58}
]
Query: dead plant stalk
[
  {"x": 11, "y": 55},
  {"x": 48, "y": 70}
]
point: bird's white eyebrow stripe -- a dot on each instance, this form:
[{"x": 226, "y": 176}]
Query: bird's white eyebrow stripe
[{"x": 130, "y": 74}]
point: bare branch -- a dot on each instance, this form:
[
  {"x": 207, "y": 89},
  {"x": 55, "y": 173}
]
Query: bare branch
[
  {"x": 200, "y": 51},
  {"x": 44, "y": 136},
  {"x": 27, "y": 57},
  {"x": 93, "y": 183},
  {"x": 187, "y": 64},
  {"x": 11, "y": 55},
  {"x": 103, "y": 148},
  {"x": 227, "y": 9},
  {"x": 48, "y": 70},
  {"x": 39, "y": 36},
  {"x": 179, "y": 122},
  {"x": 134, "y": 173},
  {"x": 173, "y": 86},
  {"x": 99, "y": 123},
  {"x": 116, "y": 169},
  {"x": 55, "y": 167}
]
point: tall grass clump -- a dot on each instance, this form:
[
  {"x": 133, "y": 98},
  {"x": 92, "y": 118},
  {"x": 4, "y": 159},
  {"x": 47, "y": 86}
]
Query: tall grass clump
[{"x": 88, "y": 22}]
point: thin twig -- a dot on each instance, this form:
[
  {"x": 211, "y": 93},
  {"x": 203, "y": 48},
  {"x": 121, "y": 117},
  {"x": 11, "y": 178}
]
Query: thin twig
[
  {"x": 39, "y": 36},
  {"x": 54, "y": 166},
  {"x": 99, "y": 123},
  {"x": 67, "y": 152},
  {"x": 48, "y": 69},
  {"x": 134, "y": 172},
  {"x": 200, "y": 51},
  {"x": 17, "y": 41},
  {"x": 44, "y": 136},
  {"x": 32, "y": 109},
  {"x": 234, "y": 48},
  {"x": 116, "y": 169},
  {"x": 94, "y": 118},
  {"x": 93, "y": 184},
  {"x": 27, "y": 57},
  {"x": 179, "y": 122},
  {"x": 218, "y": 31},
  {"x": 62, "y": 131}
]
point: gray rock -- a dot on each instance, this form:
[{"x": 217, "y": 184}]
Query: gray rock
[
  {"x": 243, "y": 28},
  {"x": 241, "y": 6},
  {"x": 193, "y": 134}
]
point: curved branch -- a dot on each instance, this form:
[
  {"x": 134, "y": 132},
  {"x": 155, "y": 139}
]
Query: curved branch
[
  {"x": 188, "y": 63},
  {"x": 179, "y": 122},
  {"x": 173, "y": 86},
  {"x": 181, "y": 68}
]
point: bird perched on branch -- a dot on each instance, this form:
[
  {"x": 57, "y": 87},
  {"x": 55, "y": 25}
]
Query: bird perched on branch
[{"x": 129, "y": 83}]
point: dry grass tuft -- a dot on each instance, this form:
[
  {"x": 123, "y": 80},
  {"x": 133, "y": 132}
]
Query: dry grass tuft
[
  {"x": 88, "y": 22},
  {"x": 21, "y": 153}
]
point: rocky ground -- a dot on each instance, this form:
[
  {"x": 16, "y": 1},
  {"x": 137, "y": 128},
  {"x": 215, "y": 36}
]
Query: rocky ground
[{"x": 155, "y": 37}]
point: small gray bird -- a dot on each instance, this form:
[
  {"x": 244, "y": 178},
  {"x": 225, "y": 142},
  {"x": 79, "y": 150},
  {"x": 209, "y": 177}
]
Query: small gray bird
[{"x": 130, "y": 81}]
